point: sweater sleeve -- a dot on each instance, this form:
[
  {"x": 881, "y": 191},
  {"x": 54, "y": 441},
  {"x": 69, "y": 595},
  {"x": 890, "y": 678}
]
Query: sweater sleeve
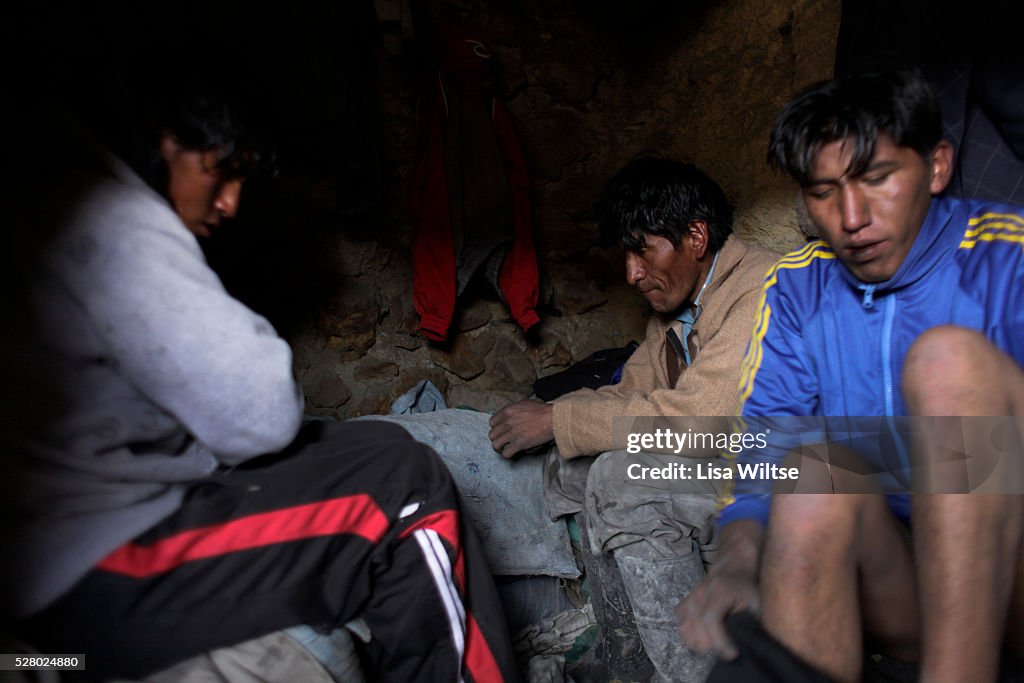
[
  {"x": 583, "y": 420},
  {"x": 175, "y": 332}
]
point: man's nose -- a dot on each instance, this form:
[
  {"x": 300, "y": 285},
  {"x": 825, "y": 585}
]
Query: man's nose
[
  {"x": 634, "y": 269},
  {"x": 856, "y": 213},
  {"x": 228, "y": 197}
]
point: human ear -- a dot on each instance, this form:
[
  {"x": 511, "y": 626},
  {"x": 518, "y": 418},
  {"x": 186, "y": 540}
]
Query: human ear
[
  {"x": 941, "y": 162},
  {"x": 697, "y": 233},
  {"x": 169, "y": 147}
]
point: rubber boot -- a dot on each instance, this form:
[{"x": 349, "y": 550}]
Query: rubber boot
[
  {"x": 655, "y": 586},
  {"x": 619, "y": 649}
]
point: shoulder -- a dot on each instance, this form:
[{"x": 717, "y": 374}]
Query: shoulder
[
  {"x": 812, "y": 262},
  {"x": 989, "y": 253},
  {"x": 758, "y": 259},
  {"x": 126, "y": 210},
  {"x": 742, "y": 267},
  {"x": 117, "y": 225},
  {"x": 991, "y": 230}
]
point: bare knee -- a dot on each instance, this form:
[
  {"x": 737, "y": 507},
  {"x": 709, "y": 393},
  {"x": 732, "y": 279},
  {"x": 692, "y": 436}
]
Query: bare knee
[
  {"x": 952, "y": 370},
  {"x": 808, "y": 528},
  {"x": 946, "y": 351}
]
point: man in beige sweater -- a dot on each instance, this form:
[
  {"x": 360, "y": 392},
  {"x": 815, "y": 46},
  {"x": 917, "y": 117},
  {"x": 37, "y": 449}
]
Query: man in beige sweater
[{"x": 703, "y": 284}]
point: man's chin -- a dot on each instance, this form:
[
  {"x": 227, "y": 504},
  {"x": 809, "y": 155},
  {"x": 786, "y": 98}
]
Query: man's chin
[
  {"x": 871, "y": 272},
  {"x": 660, "y": 307}
]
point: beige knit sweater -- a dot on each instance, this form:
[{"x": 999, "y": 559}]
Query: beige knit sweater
[{"x": 709, "y": 387}]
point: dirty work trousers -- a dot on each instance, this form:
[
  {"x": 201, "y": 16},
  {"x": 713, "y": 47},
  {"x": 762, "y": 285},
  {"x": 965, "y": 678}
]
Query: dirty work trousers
[
  {"x": 351, "y": 520},
  {"x": 661, "y": 533}
]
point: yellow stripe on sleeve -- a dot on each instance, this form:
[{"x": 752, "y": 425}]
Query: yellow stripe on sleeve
[
  {"x": 989, "y": 228},
  {"x": 1019, "y": 220},
  {"x": 755, "y": 351}
]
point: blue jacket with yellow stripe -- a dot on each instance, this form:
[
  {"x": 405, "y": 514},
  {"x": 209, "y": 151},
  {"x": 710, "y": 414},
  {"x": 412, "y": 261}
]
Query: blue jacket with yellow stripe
[{"x": 826, "y": 344}]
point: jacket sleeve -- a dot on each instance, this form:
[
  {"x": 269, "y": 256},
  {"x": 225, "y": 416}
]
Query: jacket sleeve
[
  {"x": 776, "y": 380},
  {"x": 519, "y": 279},
  {"x": 177, "y": 334},
  {"x": 583, "y": 420},
  {"x": 433, "y": 256}
]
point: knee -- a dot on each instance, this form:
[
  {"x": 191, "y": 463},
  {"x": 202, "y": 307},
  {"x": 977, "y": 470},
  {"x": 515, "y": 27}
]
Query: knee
[
  {"x": 942, "y": 364},
  {"x": 647, "y": 517},
  {"x": 802, "y": 525}
]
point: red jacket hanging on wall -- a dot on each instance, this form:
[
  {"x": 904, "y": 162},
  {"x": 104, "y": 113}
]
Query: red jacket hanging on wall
[{"x": 447, "y": 175}]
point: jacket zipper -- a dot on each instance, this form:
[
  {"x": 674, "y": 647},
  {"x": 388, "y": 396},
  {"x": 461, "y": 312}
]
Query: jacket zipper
[
  {"x": 890, "y": 316},
  {"x": 890, "y": 311}
]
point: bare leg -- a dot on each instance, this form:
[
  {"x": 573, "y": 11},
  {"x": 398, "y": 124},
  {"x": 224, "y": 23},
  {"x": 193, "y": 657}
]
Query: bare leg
[
  {"x": 968, "y": 544},
  {"x": 835, "y": 565},
  {"x": 1013, "y": 642}
]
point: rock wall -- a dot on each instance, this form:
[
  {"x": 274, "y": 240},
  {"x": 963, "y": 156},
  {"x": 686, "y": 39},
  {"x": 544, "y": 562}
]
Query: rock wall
[{"x": 589, "y": 85}]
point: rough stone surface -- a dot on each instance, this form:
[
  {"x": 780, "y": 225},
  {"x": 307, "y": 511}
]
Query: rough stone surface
[
  {"x": 550, "y": 353},
  {"x": 465, "y": 357},
  {"x": 376, "y": 370},
  {"x": 325, "y": 391},
  {"x": 508, "y": 368},
  {"x": 573, "y": 296},
  {"x": 349, "y": 322},
  {"x": 589, "y": 86},
  {"x": 474, "y": 316}
]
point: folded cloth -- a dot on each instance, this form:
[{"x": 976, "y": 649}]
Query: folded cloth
[
  {"x": 762, "y": 659},
  {"x": 422, "y": 398}
]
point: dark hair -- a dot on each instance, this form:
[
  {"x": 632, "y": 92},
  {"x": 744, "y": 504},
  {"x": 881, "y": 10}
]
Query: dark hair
[
  {"x": 129, "y": 102},
  {"x": 897, "y": 102},
  {"x": 203, "y": 120},
  {"x": 205, "y": 111},
  {"x": 655, "y": 196}
]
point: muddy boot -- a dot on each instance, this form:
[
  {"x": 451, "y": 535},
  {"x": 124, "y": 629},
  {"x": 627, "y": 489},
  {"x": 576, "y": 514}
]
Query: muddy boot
[
  {"x": 619, "y": 650},
  {"x": 655, "y": 586}
]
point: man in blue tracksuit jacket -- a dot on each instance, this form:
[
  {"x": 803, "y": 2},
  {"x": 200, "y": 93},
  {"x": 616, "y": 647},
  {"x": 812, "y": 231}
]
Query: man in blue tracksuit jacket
[{"x": 911, "y": 305}]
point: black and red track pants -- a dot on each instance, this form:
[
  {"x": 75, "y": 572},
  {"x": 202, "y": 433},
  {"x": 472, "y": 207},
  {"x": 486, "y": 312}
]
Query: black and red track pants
[{"x": 354, "y": 519}]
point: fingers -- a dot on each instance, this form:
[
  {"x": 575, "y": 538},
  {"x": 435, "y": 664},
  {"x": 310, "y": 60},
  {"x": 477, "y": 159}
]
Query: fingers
[
  {"x": 505, "y": 444},
  {"x": 520, "y": 426},
  {"x": 702, "y": 615},
  {"x": 503, "y": 439},
  {"x": 706, "y": 633},
  {"x": 505, "y": 433},
  {"x": 693, "y": 628},
  {"x": 499, "y": 418},
  {"x": 719, "y": 638}
]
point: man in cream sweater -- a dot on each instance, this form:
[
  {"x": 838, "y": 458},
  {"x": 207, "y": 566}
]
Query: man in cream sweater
[{"x": 702, "y": 283}]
